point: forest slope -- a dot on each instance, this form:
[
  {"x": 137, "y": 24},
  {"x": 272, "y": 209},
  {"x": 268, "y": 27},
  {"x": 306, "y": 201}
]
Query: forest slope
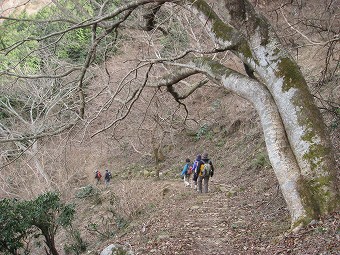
[{"x": 244, "y": 212}]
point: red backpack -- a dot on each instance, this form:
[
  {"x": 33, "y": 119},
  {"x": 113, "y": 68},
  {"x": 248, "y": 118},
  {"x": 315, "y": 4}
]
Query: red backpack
[{"x": 189, "y": 171}]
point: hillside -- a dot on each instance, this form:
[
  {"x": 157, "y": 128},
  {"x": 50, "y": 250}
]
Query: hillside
[{"x": 244, "y": 211}]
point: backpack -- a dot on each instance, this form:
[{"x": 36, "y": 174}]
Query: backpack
[
  {"x": 108, "y": 175},
  {"x": 205, "y": 169},
  {"x": 194, "y": 167},
  {"x": 98, "y": 175},
  {"x": 189, "y": 171}
]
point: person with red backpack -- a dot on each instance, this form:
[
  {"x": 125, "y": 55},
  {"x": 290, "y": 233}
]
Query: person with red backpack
[
  {"x": 186, "y": 172},
  {"x": 205, "y": 170},
  {"x": 98, "y": 176}
]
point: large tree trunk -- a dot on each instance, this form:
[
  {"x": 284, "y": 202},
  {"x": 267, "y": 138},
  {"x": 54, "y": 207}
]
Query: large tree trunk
[
  {"x": 302, "y": 120},
  {"x": 255, "y": 43},
  {"x": 279, "y": 151}
]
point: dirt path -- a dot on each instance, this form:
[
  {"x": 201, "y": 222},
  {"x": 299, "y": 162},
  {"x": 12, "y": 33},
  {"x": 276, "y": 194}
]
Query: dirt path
[
  {"x": 243, "y": 219},
  {"x": 219, "y": 222}
]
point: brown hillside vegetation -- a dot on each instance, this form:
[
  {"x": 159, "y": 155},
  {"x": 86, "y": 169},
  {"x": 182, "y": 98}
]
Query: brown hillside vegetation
[{"x": 244, "y": 211}]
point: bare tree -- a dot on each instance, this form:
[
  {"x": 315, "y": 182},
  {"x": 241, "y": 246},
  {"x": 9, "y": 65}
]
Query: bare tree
[{"x": 197, "y": 38}]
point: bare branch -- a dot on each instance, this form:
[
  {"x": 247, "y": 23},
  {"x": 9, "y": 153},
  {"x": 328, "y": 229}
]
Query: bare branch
[
  {"x": 33, "y": 77},
  {"x": 133, "y": 98},
  {"x": 45, "y": 133}
]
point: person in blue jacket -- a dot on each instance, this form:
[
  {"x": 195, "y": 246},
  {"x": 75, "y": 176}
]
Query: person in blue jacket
[{"x": 186, "y": 172}]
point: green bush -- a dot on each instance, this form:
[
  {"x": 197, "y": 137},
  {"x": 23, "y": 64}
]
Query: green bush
[
  {"x": 87, "y": 191},
  {"x": 78, "y": 246},
  {"x": 40, "y": 217},
  {"x": 14, "y": 226},
  {"x": 261, "y": 160},
  {"x": 216, "y": 104},
  {"x": 202, "y": 131}
]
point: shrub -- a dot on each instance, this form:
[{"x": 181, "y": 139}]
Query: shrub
[
  {"x": 86, "y": 191},
  {"x": 261, "y": 160},
  {"x": 42, "y": 216},
  {"x": 202, "y": 131},
  {"x": 78, "y": 246}
]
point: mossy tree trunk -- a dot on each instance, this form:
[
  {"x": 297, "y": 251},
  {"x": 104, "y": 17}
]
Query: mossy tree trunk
[
  {"x": 279, "y": 152},
  {"x": 257, "y": 45}
]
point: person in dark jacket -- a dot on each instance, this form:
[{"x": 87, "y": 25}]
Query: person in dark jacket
[
  {"x": 107, "y": 177},
  {"x": 200, "y": 177}
]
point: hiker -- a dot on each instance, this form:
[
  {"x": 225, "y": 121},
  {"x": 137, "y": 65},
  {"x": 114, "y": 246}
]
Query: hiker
[
  {"x": 98, "y": 176},
  {"x": 186, "y": 172},
  {"x": 107, "y": 177},
  {"x": 195, "y": 170},
  {"x": 206, "y": 170}
]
